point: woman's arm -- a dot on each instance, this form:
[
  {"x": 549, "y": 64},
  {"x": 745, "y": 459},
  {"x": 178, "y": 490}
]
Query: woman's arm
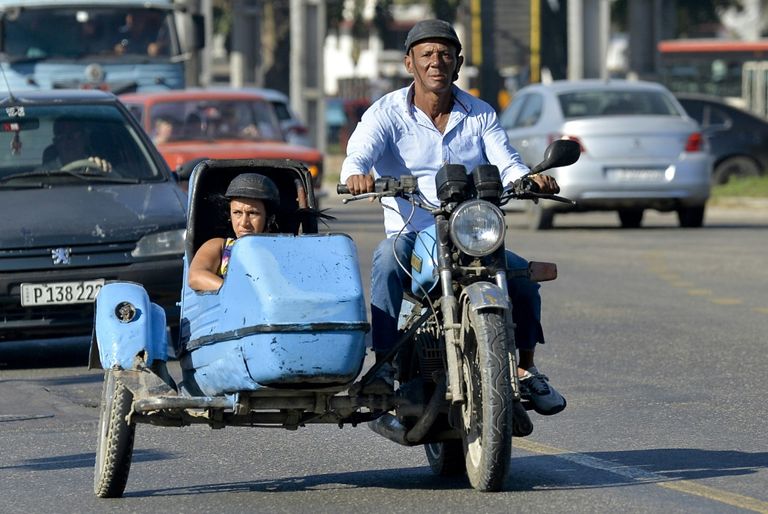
[{"x": 205, "y": 265}]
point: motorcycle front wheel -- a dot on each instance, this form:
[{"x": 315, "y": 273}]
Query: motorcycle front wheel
[
  {"x": 114, "y": 449},
  {"x": 487, "y": 413}
]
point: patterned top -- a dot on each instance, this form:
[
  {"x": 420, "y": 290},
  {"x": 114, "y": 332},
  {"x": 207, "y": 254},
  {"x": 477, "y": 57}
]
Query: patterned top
[{"x": 225, "y": 253}]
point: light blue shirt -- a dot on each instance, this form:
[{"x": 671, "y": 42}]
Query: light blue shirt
[{"x": 395, "y": 138}]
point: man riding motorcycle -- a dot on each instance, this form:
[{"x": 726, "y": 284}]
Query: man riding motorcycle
[{"x": 415, "y": 131}]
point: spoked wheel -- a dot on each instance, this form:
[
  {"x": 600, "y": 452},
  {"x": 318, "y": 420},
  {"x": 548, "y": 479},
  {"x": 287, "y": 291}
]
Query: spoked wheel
[
  {"x": 487, "y": 413},
  {"x": 446, "y": 458},
  {"x": 114, "y": 448}
]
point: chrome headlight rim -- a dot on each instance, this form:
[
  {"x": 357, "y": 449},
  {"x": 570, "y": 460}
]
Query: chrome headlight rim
[{"x": 487, "y": 212}]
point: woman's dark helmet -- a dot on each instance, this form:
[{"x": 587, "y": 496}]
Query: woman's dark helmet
[{"x": 256, "y": 187}]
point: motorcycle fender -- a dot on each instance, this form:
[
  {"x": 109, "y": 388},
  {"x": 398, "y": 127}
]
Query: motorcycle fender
[
  {"x": 140, "y": 329},
  {"x": 485, "y": 295}
]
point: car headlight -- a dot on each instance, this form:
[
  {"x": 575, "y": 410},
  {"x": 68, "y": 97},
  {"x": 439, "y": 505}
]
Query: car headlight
[
  {"x": 477, "y": 228},
  {"x": 170, "y": 242}
]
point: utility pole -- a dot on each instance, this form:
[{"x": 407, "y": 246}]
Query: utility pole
[
  {"x": 307, "y": 78},
  {"x": 588, "y": 34},
  {"x": 245, "y": 58}
]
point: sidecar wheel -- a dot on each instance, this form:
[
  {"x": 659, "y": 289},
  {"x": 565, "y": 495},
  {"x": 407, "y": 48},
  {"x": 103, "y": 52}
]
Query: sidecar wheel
[
  {"x": 114, "y": 448},
  {"x": 487, "y": 413},
  {"x": 446, "y": 458}
]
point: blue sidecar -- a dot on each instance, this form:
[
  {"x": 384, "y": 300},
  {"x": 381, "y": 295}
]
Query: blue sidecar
[{"x": 285, "y": 332}]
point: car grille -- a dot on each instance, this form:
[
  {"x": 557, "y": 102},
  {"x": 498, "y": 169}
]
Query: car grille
[
  {"x": 41, "y": 258},
  {"x": 19, "y": 265}
]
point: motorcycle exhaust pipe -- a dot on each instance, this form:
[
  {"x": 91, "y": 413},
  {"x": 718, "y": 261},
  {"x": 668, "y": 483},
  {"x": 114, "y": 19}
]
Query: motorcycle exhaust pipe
[{"x": 388, "y": 426}]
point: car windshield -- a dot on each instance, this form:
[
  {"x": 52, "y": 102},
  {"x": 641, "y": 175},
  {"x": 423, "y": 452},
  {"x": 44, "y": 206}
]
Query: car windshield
[
  {"x": 610, "y": 102},
  {"x": 73, "y": 33},
  {"x": 77, "y": 142},
  {"x": 251, "y": 120}
]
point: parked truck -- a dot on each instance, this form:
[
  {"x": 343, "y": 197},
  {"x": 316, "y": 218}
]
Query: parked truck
[{"x": 115, "y": 45}]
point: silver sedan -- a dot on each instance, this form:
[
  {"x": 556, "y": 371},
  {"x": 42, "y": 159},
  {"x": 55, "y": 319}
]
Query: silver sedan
[{"x": 640, "y": 150}]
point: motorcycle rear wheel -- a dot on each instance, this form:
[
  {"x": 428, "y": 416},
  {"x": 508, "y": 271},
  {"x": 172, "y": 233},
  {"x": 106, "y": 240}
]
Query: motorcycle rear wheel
[
  {"x": 114, "y": 449},
  {"x": 487, "y": 413}
]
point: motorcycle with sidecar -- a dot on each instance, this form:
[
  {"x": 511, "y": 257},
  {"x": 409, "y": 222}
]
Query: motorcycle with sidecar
[{"x": 282, "y": 342}]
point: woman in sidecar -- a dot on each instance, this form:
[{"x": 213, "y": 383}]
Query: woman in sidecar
[
  {"x": 253, "y": 201},
  {"x": 274, "y": 345}
]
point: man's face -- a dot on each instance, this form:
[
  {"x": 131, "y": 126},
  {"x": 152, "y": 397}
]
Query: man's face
[{"x": 433, "y": 64}]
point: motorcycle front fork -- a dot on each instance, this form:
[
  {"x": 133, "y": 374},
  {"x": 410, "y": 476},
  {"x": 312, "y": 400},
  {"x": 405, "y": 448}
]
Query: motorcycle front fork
[{"x": 501, "y": 281}]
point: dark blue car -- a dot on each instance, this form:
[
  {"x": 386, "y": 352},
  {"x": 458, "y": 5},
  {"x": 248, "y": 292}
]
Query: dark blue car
[
  {"x": 738, "y": 139},
  {"x": 85, "y": 199}
]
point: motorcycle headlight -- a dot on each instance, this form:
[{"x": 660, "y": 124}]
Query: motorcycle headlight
[
  {"x": 477, "y": 228},
  {"x": 170, "y": 242}
]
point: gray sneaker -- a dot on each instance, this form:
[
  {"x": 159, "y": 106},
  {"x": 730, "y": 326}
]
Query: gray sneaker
[{"x": 534, "y": 386}]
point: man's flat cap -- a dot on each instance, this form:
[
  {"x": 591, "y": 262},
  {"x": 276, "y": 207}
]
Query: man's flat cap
[{"x": 432, "y": 29}]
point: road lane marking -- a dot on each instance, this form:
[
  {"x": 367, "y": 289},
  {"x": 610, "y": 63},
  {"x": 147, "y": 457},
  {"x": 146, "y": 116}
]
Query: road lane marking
[
  {"x": 683, "y": 284},
  {"x": 726, "y": 301},
  {"x": 699, "y": 292},
  {"x": 646, "y": 477},
  {"x": 763, "y": 310}
]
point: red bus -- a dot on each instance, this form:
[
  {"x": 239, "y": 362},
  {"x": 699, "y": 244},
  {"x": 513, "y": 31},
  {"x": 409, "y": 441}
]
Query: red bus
[{"x": 712, "y": 66}]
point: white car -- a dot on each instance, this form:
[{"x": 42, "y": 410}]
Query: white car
[{"x": 640, "y": 150}]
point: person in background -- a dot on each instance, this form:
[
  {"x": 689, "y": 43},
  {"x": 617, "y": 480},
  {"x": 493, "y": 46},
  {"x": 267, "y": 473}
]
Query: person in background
[
  {"x": 163, "y": 130},
  {"x": 143, "y": 33},
  {"x": 70, "y": 146}
]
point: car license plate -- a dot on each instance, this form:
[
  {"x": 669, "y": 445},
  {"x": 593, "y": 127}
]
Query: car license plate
[
  {"x": 635, "y": 174},
  {"x": 60, "y": 293}
]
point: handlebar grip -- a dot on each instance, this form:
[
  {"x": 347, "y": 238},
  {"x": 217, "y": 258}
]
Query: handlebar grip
[{"x": 342, "y": 189}]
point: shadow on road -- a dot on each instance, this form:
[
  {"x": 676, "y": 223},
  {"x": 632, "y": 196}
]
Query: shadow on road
[
  {"x": 634, "y": 467},
  {"x": 45, "y": 354},
  {"x": 528, "y": 474},
  {"x": 83, "y": 460}
]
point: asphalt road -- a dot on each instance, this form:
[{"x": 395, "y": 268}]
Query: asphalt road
[{"x": 658, "y": 338}]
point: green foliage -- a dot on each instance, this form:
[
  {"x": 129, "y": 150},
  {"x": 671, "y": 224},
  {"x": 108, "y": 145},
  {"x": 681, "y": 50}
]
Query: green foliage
[{"x": 745, "y": 187}]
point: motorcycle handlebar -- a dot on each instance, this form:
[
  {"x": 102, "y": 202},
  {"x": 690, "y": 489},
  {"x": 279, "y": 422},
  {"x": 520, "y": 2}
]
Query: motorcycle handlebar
[{"x": 342, "y": 189}]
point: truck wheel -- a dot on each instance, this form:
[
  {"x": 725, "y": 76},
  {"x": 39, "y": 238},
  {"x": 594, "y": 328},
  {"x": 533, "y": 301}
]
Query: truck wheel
[
  {"x": 487, "y": 413},
  {"x": 114, "y": 448}
]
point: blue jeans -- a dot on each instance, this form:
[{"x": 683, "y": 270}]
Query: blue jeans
[{"x": 389, "y": 281}]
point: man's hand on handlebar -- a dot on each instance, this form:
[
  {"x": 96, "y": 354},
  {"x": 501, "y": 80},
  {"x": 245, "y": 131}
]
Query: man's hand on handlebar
[
  {"x": 546, "y": 183},
  {"x": 359, "y": 184}
]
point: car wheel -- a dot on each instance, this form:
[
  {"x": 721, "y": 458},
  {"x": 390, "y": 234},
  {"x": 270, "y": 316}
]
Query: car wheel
[
  {"x": 631, "y": 218},
  {"x": 691, "y": 217},
  {"x": 540, "y": 218},
  {"x": 735, "y": 167}
]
